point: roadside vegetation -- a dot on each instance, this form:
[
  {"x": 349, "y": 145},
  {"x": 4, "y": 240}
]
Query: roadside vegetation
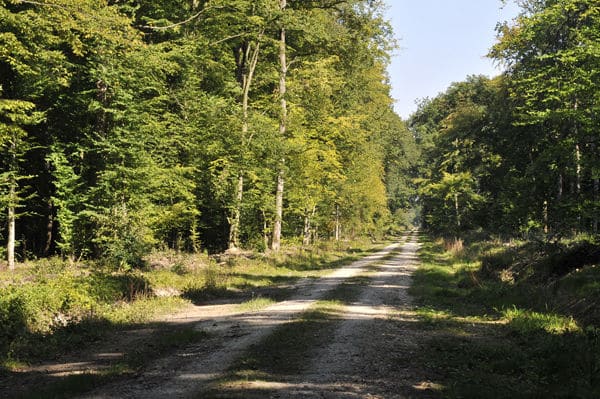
[
  {"x": 50, "y": 306},
  {"x": 516, "y": 319},
  {"x": 516, "y": 156}
]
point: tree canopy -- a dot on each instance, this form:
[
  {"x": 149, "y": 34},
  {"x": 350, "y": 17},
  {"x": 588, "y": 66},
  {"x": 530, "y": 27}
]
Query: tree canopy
[
  {"x": 127, "y": 126},
  {"x": 519, "y": 153}
]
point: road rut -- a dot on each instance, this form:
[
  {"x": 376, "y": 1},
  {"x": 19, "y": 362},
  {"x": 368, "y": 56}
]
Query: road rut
[{"x": 185, "y": 373}]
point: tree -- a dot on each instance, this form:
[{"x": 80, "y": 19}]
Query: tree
[
  {"x": 283, "y": 69},
  {"x": 15, "y": 115},
  {"x": 552, "y": 54}
]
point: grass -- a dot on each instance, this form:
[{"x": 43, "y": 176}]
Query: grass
[
  {"x": 255, "y": 304},
  {"x": 49, "y": 307},
  {"x": 501, "y": 326}
]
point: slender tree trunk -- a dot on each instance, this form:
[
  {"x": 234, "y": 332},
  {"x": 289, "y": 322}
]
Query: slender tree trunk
[
  {"x": 49, "y": 228},
  {"x": 234, "y": 227},
  {"x": 306, "y": 235},
  {"x": 596, "y": 198},
  {"x": 10, "y": 247},
  {"x": 545, "y": 216},
  {"x": 276, "y": 242},
  {"x": 596, "y": 194},
  {"x": 337, "y": 222},
  {"x": 12, "y": 201},
  {"x": 246, "y": 59},
  {"x": 577, "y": 153},
  {"x": 578, "y": 183},
  {"x": 559, "y": 193},
  {"x": 578, "y": 169},
  {"x": 457, "y": 210},
  {"x": 265, "y": 229},
  {"x": 306, "y": 240}
]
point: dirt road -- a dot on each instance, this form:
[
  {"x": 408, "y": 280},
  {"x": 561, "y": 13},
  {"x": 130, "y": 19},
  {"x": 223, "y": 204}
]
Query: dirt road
[{"x": 365, "y": 353}]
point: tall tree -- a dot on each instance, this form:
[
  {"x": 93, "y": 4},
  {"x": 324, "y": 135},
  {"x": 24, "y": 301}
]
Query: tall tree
[
  {"x": 551, "y": 52},
  {"x": 283, "y": 69}
]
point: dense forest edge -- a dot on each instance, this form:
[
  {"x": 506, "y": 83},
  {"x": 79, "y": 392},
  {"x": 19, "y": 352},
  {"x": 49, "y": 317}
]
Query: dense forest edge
[
  {"x": 497, "y": 321},
  {"x": 142, "y": 139},
  {"x": 509, "y": 186},
  {"x": 161, "y": 153}
]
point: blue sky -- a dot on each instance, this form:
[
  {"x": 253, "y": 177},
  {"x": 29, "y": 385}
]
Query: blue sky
[{"x": 441, "y": 41}]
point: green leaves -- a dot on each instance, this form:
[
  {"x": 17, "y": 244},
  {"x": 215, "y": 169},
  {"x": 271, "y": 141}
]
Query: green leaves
[
  {"x": 526, "y": 142},
  {"x": 135, "y": 120}
]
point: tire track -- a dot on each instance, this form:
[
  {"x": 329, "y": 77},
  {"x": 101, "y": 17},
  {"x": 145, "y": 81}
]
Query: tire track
[
  {"x": 370, "y": 353},
  {"x": 187, "y": 371}
]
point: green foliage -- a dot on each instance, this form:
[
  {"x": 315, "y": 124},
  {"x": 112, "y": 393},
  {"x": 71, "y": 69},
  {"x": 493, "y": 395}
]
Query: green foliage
[
  {"x": 527, "y": 137},
  {"x": 524, "y": 336},
  {"x": 66, "y": 199},
  {"x": 125, "y": 127}
]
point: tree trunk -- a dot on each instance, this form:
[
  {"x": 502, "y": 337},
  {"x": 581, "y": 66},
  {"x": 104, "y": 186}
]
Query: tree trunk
[
  {"x": 10, "y": 247},
  {"x": 306, "y": 240},
  {"x": 578, "y": 182},
  {"x": 457, "y": 210},
  {"x": 276, "y": 242},
  {"x": 265, "y": 230},
  {"x": 246, "y": 60},
  {"x": 234, "y": 226},
  {"x": 596, "y": 198},
  {"x": 49, "y": 228},
  {"x": 12, "y": 203},
  {"x": 545, "y": 216},
  {"x": 578, "y": 169},
  {"x": 559, "y": 193},
  {"x": 337, "y": 222},
  {"x": 306, "y": 235}
]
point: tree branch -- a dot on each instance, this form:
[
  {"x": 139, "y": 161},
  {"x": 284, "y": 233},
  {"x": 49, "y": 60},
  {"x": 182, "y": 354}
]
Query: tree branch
[
  {"x": 328, "y": 5},
  {"x": 188, "y": 20},
  {"x": 38, "y": 3},
  {"x": 228, "y": 38}
]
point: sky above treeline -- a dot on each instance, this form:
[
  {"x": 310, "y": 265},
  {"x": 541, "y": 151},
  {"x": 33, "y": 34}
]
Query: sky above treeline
[{"x": 441, "y": 41}]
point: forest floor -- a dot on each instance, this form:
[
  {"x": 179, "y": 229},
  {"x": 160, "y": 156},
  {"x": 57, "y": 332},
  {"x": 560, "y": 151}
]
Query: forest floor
[{"x": 350, "y": 334}]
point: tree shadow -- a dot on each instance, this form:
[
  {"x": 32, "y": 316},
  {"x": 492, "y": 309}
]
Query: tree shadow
[
  {"x": 137, "y": 346},
  {"x": 480, "y": 352},
  {"x": 113, "y": 352}
]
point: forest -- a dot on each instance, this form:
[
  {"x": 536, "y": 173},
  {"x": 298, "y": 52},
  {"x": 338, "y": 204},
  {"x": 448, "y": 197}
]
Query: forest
[
  {"x": 161, "y": 156},
  {"x": 131, "y": 126},
  {"x": 517, "y": 155}
]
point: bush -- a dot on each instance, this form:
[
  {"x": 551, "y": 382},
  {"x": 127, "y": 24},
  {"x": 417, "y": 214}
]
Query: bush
[{"x": 53, "y": 295}]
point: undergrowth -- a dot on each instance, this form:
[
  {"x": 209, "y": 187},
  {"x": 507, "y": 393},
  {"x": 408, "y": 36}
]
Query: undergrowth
[
  {"x": 52, "y": 306},
  {"x": 510, "y": 319}
]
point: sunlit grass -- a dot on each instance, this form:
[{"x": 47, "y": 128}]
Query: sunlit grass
[
  {"x": 526, "y": 321},
  {"x": 497, "y": 337},
  {"x": 141, "y": 310},
  {"x": 255, "y": 304}
]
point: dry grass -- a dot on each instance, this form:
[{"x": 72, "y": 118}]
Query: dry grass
[{"x": 454, "y": 246}]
